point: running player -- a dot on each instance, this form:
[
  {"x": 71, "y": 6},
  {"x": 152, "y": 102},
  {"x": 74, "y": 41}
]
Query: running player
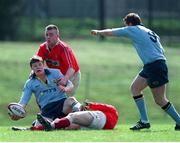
[{"x": 154, "y": 72}]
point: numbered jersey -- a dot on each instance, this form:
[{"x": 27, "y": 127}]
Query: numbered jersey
[{"x": 146, "y": 42}]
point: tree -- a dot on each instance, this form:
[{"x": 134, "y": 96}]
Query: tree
[{"x": 9, "y": 15}]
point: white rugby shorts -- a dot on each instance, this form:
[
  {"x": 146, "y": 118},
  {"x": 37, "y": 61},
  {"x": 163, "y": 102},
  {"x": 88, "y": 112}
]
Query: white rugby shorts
[{"x": 98, "y": 121}]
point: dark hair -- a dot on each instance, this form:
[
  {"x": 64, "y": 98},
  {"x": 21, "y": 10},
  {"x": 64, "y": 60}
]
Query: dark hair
[
  {"x": 132, "y": 18},
  {"x": 35, "y": 59},
  {"x": 52, "y": 26}
]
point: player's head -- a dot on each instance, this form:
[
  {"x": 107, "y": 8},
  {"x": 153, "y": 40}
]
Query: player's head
[
  {"x": 37, "y": 65},
  {"x": 35, "y": 59},
  {"x": 51, "y": 34},
  {"x": 132, "y": 19}
]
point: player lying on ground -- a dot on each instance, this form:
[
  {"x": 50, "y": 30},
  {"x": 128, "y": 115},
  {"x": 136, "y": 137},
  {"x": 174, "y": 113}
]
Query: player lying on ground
[
  {"x": 95, "y": 116},
  {"x": 50, "y": 95}
]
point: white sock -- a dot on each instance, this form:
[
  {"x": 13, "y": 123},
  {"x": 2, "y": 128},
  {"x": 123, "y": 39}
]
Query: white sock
[{"x": 76, "y": 106}]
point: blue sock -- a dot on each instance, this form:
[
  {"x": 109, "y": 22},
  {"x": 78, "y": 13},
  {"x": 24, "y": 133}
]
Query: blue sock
[
  {"x": 142, "y": 108},
  {"x": 171, "y": 111}
]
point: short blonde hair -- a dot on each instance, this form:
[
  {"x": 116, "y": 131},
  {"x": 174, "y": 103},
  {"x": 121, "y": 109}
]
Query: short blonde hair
[{"x": 52, "y": 26}]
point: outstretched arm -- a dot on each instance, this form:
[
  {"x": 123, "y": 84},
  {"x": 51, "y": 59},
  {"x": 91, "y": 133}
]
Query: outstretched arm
[{"x": 105, "y": 32}]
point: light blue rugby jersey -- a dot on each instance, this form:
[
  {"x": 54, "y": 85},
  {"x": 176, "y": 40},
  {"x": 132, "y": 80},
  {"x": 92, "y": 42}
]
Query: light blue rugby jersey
[
  {"x": 145, "y": 41},
  {"x": 44, "y": 93}
]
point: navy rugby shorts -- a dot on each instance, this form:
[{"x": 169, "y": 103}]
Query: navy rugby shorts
[
  {"x": 156, "y": 73},
  {"x": 54, "y": 110}
]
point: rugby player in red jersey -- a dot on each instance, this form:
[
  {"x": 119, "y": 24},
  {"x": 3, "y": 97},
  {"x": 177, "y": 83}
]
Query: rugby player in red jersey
[
  {"x": 57, "y": 54},
  {"x": 95, "y": 116}
]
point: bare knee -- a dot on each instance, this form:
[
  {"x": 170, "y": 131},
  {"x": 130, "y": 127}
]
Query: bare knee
[
  {"x": 161, "y": 102},
  {"x": 134, "y": 89},
  {"x": 160, "y": 96},
  {"x": 67, "y": 107},
  {"x": 138, "y": 85},
  {"x": 158, "y": 102},
  {"x": 73, "y": 117},
  {"x": 69, "y": 101},
  {"x": 70, "y": 117}
]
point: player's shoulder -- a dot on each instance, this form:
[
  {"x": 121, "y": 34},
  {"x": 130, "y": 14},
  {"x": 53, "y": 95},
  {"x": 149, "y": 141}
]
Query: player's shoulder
[
  {"x": 43, "y": 45},
  {"x": 63, "y": 44},
  {"x": 29, "y": 82}
]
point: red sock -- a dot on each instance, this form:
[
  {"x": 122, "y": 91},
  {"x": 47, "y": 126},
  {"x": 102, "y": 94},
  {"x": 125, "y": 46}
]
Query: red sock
[
  {"x": 61, "y": 123},
  {"x": 37, "y": 128}
]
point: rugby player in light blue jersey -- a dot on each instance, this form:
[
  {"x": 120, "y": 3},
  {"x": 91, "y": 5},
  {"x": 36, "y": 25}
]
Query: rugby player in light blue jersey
[
  {"x": 50, "y": 95},
  {"x": 154, "y": 72}
]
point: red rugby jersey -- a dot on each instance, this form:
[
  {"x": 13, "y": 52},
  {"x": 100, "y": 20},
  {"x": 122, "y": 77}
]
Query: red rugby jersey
[
  {"x": 60, "y": 57},
  {"x": 110, "y": 112}
]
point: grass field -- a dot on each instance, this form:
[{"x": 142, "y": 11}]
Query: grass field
[
  {"x": 158, "y": 132},
  {"x": 107, "y": 71}
]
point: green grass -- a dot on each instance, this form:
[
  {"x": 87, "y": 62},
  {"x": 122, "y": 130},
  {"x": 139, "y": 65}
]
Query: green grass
[
  {"x": 121, "y": 133},
  {"x": 107, "y": 71}
]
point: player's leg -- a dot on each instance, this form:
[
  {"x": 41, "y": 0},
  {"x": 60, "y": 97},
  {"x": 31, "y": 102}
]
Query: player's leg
[
  {"x": 157, "y": 82},
  {"x": 159, "y": 95},
  {"x": 83, "y": 118},
  {"x": 99, "y": 120},
  {"x": 71, "y": 105},
  {"x": 137, "y": 87}
]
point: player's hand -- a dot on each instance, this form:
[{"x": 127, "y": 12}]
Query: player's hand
[
  {"x": 14, "y": 117},
  {"x": 94, "y": 32},
  {"x": 63, "y": 81},
  {"x": 65, "y": 88},
  {"x": 85, "y": 106}
]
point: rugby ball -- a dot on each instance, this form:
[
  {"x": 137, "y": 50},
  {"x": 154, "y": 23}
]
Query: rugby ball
[{"x": 16, "y": 109}]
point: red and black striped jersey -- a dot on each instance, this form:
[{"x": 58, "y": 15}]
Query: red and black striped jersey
[{"x": 61, "y": 57}]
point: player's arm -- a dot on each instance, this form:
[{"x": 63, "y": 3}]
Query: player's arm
[
  {"x": 26, "y": 95},
  {"x": 122, "y": 31},
  {"x": 70, "y": 72},
  {"x": 68, "y": 87},
  {"x": 105, "y": 32},
  {"x": 69, "y": 60}
]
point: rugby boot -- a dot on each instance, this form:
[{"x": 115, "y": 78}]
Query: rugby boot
[
  {"x": 140, "y": 125},
  {"x": 44, "y": 122}
]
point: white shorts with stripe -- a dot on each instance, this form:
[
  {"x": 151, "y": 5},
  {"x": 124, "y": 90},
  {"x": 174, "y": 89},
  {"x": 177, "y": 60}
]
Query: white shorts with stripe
[{"x": 99, "y": 120}]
